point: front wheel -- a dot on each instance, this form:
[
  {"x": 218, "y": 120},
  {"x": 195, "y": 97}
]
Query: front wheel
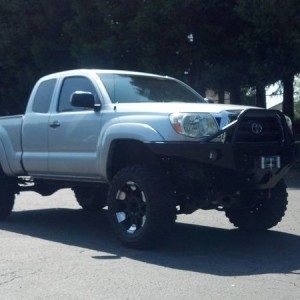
[
  {"x": 267, "y": 211},
  {"x": 141, "y": 206}
]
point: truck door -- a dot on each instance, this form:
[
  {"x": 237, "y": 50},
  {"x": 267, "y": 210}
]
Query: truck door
[
  {"x": 35, "y": 128},
  {"x": 74, "y": 133}
]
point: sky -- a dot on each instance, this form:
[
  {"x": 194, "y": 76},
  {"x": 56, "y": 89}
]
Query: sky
[
  {"x": 273, "y": 95},
  {"x": 274, "y": 92}
]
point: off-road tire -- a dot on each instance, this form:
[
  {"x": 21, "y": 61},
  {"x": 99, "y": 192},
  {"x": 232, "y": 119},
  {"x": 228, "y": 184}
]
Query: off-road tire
[
  {"x": 7, "y": 196},
  {"x": 141, "y": 206},
  {"x": 268, "y": 210},
  {"x": 91, "y": 199}
]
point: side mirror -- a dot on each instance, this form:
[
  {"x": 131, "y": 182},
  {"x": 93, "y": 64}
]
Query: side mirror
[{"x": 84, "y": 99}]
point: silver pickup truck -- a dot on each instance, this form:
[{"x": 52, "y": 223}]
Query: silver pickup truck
[{"x": 149, "y": 147}]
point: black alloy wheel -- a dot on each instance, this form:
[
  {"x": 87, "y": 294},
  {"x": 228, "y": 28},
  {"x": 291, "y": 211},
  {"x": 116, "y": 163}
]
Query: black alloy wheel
[{"x": 141, "y": 206}]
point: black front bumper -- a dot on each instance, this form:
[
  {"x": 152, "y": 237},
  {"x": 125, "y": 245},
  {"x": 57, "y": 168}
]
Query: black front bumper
[{"x": 232, "y": 166}]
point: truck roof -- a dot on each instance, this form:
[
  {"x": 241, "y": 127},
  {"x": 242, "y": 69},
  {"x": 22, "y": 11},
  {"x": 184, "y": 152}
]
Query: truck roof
[{"x": 98, "y": 71}]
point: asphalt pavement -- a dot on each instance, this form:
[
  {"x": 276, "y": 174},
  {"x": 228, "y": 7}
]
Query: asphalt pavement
[{"x": 52, "y": 249}]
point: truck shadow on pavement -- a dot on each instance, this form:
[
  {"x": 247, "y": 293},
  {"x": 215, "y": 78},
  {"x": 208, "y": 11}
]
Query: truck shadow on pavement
[
  {"x": 196, "y": 248},
  {"x": 292, "y": 179}
]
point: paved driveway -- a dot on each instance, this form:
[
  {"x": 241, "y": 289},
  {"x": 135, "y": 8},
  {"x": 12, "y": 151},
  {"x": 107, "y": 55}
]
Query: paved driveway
[{"x": 51, "y": 249}]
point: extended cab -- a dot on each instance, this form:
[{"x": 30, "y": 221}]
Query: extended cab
[{"x": 149, "y": 147}]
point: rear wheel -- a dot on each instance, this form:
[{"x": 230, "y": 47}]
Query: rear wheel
[
  {"x": 91, "y": 199},
  {"x": 7, "y": 196},
  {"x": 268, "y": 209},
  {"x": 141, "y": 206}
]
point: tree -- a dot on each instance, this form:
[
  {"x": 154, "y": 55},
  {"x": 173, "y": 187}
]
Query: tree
[
  {"x": 102, "y": 35},
  {"x": 49, "y": 46},
  {"x": 272, "y": 41},
  {"x": 14, "y": 50},
  {"x": 31, "y": 45},
  {"x": 224, "y": 45}
]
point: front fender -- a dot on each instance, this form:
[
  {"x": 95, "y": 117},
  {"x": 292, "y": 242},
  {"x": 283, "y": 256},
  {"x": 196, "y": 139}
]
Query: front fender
[{"x": 130, "y": 131}]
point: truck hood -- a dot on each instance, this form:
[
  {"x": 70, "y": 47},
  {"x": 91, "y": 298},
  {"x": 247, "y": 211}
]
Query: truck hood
[{"x": 173, "y": 107}]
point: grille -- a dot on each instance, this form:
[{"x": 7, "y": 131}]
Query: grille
[{"x": 265, "y": 129}]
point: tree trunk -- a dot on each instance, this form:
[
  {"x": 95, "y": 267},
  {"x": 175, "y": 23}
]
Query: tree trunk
[
  {"x": 221, "y": 95},
  {"x": 196, "y": 83},
  {"x": 235, "y": 93},
  {"x": 261, "y": 96},
  {"x": 288, "y": 96}
]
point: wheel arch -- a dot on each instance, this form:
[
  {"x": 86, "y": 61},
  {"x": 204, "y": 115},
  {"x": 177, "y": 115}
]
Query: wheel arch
[
  {"x": 4, "y": 165},
  {"x": 127, "y": 152}
]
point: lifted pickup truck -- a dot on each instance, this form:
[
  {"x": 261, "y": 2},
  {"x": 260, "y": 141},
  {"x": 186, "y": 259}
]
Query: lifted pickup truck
[{"x": 148, "y": 147}]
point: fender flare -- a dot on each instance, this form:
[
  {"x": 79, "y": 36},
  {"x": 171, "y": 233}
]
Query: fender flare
[
  {"x": 130, "y": 131},
  {"x": 4, "y": 161}
]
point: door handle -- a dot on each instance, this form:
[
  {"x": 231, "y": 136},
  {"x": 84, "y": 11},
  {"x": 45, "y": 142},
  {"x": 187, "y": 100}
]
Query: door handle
[{"x": 55, "y": 124}]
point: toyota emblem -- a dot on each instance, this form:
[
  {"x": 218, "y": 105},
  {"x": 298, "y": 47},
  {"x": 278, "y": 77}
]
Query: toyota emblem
[{"x": 256, "y": 128}]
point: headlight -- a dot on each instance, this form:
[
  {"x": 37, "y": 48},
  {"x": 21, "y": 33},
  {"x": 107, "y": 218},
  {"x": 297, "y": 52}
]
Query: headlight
[{"x": 194, "y": 125}]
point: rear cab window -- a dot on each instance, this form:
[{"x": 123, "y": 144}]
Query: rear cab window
[{"x": 43, "y": 96}]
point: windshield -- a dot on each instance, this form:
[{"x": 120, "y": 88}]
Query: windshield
[{"x": 137, "y": 88}]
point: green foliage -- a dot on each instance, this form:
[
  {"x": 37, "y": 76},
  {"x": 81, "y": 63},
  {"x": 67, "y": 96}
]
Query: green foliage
[
  {"x": 272, "y": 37},
  {"x": 225, "y": 45},
  {"x": 272, "y": 42},
  {"x": 297, "y": 98},
  {"x": 32, "y": 43}
]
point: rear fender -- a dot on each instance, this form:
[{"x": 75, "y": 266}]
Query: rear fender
[
  {"x": 11, "y": 151},
  {"x": 4, "y": 161}
]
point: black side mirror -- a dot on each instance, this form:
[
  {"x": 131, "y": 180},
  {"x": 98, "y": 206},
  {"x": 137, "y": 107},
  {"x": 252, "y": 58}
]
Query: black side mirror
[{"x": 84, "y": 99}]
